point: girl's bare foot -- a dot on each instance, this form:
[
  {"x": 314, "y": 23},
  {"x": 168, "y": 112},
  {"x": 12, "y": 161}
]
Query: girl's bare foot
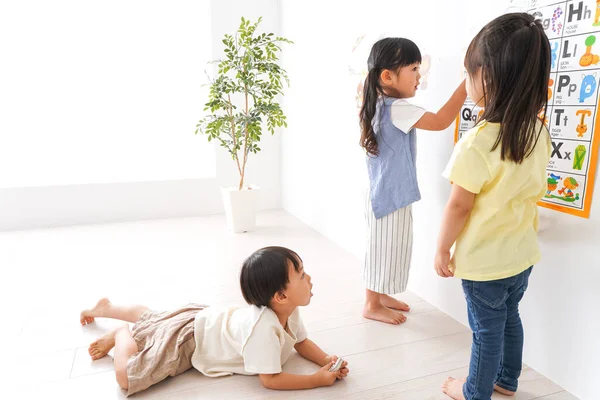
[
  {"x": 503, "y": 391},
  {"x": 396, "y": 304},
  {"x": 88, "y": 316},
  {"x": 101, "y": 346},
  {"x": 379, "y": 312},
  {"x": 454, "y": 388}
]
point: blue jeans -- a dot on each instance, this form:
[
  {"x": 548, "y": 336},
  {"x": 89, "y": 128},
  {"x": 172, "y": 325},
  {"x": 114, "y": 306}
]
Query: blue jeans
[{"x": 497, "y": 350}]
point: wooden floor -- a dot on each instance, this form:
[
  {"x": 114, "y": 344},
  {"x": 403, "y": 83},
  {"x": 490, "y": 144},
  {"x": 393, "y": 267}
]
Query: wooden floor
[{"x": 49, "y": 275}]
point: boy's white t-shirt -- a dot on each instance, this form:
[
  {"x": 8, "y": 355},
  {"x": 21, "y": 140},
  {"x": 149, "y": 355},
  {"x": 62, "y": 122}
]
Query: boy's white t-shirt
[
  {"x": 405, "y": 115},
  {"x": 248, "y": 340}
]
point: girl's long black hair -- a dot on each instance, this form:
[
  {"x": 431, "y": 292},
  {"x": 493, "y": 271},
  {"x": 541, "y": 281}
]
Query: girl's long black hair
[
  {"x": 513, "y": 53},
  {"x": 391, "y": 54}
]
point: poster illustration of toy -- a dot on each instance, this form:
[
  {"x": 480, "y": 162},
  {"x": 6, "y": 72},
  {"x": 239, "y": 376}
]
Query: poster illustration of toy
[{"x": 573, "y": 28}]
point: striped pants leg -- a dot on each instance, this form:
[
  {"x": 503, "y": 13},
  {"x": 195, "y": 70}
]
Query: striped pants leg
[{"x": 389, "y": 250}]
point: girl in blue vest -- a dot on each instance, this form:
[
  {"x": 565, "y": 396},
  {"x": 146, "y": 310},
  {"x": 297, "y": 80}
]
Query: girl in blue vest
[{"x": 388, "y": 135}]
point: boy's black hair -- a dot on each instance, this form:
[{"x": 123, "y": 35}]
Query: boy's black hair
[{"x": 265, "y": 272}]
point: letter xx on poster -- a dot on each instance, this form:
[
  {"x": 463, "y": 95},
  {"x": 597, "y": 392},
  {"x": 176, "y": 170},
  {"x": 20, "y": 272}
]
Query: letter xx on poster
[{"x": 573, "y": 29}]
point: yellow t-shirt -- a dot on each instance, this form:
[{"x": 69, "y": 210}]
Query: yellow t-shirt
[{"x": 499, "y": 239}]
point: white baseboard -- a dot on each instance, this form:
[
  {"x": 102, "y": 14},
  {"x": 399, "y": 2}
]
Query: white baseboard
[{"x": 43, "y": 207}]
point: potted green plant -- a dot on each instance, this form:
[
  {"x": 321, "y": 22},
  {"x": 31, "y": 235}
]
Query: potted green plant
[{"x": 242, "y": 103}]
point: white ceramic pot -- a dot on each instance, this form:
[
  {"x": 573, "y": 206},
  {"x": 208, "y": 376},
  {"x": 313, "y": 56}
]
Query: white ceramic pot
[{"x": 241, "y": 207}]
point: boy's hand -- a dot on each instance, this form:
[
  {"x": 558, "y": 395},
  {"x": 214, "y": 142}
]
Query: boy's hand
[
  {"x": 328, "y": 359},
  {"x": 441, "y": 264},
  {"x": 343, "y": 369},
  {"x": 326, "y": 378}
]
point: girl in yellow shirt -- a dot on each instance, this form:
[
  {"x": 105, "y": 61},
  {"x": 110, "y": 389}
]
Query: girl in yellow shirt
[{"x": 498, "y": 170}]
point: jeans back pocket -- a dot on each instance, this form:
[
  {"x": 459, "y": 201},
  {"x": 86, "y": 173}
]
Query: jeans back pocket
[{"x": 493, "y": 293}]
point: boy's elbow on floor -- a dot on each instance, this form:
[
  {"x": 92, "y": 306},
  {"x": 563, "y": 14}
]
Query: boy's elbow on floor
[{"x": 266, "y": 381}]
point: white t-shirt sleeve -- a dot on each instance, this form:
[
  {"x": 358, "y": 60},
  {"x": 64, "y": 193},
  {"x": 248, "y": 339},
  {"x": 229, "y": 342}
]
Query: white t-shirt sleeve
[
  {"x": 262, "y": 352},
  {"x": 404, "y": 115}
]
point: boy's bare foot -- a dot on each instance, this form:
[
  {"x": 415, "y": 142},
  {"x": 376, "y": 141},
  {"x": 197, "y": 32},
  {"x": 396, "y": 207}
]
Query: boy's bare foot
[
  {"x": 396, "y": 304},
  {"x": 379, "y": 312},
  {"x": 101, "y": 346},
  {"x": 503, "y": 391},
  {"x": 454, "y": 388},
  {"x": 88, "y": 316}
]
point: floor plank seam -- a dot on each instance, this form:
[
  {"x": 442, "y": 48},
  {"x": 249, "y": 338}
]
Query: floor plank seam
[{"x": 404, "y": 344}]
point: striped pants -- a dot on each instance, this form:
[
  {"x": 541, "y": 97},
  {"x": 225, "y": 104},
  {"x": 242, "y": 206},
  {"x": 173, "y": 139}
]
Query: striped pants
[{"x": 389, "y": 250}]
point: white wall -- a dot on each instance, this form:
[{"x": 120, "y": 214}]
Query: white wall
[
  {"x": 123, "y": 167},
  {"x": 324, "y": 174},
  {"x": 101, "y": 93}
]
